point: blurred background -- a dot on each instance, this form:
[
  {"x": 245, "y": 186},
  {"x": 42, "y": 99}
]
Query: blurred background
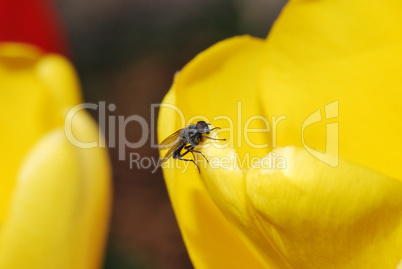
[{"x": 126, "y": 53}]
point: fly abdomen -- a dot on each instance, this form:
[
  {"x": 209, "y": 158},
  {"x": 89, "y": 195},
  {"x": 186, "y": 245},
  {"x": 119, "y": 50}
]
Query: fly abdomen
[{"x": 176, "y": 153}]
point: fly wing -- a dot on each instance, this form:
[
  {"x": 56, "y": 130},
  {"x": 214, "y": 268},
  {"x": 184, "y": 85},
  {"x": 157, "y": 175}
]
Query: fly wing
[
  {"x": 171, "y": 140},
  {"x": 170, "y": 152}
]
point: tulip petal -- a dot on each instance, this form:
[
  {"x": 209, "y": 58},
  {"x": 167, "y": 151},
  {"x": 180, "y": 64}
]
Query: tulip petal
[
  {"x": 60, "y": 79},
  {"x": 319, "y": 52},
  {"x": 27, "y": 112},
  {"x": 220, "y": 85},
  {"x": 226, "y": 71},
  {"x": 211, "y": 241},
  {"x": 95, "y": 199},
  {"x": 32, "y": 22},
  {"x": 226, "y": 183},
  {"x": 325, "y": 217},
  {"x": 60, "y": 207}
]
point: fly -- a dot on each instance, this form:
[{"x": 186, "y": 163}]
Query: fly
[{"x": 186, "y": 139}]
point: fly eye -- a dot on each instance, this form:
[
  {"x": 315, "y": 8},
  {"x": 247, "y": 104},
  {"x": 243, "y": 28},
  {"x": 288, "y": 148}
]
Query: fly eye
[{"x": 200, "y": 127}]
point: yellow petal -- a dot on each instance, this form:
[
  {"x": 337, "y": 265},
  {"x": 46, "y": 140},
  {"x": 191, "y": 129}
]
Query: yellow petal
[
  {"x": 228, "y": 71},
  {"x": 60, "y": 79},
  {"x": 18, "y": 56},
  {"x": 95, "y": 197},
  {"x": 60, "y": 206},
  {"x": 27, "y": 111},
  {"x": 221, "y": 85},
  {"x": 226, "y": 183},
  {"x": 41, "y": 224},
  {"x": 210, "y": 239},
  {"x": 346, "y": 51},
  {"x": 325, "y": 217}
]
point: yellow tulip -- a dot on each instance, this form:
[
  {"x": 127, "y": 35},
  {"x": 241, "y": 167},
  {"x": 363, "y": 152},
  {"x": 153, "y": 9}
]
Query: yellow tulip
[
  {"x": 55, "y": 197},
  {"x": 329, "y": 56}
]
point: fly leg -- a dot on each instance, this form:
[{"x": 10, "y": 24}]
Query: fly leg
[
  {"x": 214, "y": 128},
  {"x": 191, "y": 149},
  {"x": 180, "y": 157},
  {"x": 223, "y": 139}
]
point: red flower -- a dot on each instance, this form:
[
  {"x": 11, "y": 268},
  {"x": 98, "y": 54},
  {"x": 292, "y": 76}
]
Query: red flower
[{"x": 33, "y": 22}]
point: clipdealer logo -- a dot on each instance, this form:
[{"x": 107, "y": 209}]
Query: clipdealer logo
[
  {"x": 331, "y": 154},
  {"x": 113, "y": 126}
]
